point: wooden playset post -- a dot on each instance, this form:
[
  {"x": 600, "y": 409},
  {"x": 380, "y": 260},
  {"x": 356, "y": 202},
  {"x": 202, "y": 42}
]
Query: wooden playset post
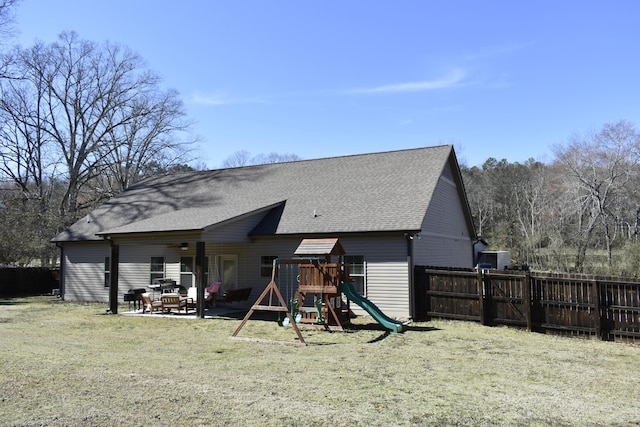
[{"x": 270, "y": 291}]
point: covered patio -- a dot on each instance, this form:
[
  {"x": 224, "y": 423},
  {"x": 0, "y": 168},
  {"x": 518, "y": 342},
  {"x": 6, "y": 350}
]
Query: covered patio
[
  {"x": 198, "y": 300},
  {"x": 209, "y": 313}
]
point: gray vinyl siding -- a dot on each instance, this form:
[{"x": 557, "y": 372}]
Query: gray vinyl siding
[
  {"x": 84, "y": 271},
  {"x": 283, "y": 248},
  {"x": 445, "y": 238},
  {"x": 135, "y": 265},
  {"x": 388, "y": 287},
  {"x": 234, "y": 231},
  {"x": 387, "y": 271}
]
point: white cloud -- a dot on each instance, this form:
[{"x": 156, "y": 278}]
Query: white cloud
[{"x": 452, "y": 79}]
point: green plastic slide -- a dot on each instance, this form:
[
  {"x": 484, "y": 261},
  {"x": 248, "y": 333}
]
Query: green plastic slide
[{"x": 350, "y": 291}]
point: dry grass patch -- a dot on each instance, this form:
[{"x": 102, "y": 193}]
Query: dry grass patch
[{"x": 68, "y": 364}]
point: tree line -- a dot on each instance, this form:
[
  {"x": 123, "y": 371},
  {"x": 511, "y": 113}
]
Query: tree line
[{"x": 578, "y": 213}]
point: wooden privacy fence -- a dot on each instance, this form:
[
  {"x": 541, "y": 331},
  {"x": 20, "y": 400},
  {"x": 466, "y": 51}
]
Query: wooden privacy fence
[
  {"x": 602, "y": 307},
  {"x": 28, "y": 280}
]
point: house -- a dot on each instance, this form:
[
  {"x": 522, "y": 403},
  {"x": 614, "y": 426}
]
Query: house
[{"x": 390, "y": 210}]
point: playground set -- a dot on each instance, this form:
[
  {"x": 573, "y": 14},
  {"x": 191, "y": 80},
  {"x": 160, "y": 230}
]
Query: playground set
[{"x": 314, "y": 282}]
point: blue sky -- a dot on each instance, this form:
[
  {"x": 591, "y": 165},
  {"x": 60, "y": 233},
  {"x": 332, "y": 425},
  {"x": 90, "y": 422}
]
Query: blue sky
[{"x": 502, "y": 79}]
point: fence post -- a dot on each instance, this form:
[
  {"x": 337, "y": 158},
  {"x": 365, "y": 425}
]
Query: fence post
[
  {"x": 484, "y": 295},
  {"x": 598, "y": 314},
  {"x": 527, "y": 301},
  {"x": 480, "y": 291},
  {"x": 420, "y": 297},
  {"x": 602, "y": 315}
]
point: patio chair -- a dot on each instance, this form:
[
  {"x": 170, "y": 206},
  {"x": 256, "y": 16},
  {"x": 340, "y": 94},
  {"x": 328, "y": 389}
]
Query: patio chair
[
  {"x": 192, "y": 297},
  {"x": 150, "y": 305},
  {"x": 173, "y": 301},
  {"x": 211, "y": 296}
]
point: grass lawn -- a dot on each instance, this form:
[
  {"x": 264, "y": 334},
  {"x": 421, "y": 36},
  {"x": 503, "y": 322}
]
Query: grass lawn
[{"x": 69, "y": 364}]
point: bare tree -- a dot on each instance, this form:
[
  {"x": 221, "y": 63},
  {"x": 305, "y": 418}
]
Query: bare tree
[
  {"x": 80, "y": 122},
  {"x": 7, "y": 17},
  {"x": 243, "y": 158},
  {"x": 530, "y": 201},
  {"x": 601, "y": 164},
  {"x": 237, "y": 159},
  {"x": 146, "y": 136},
  {"x": 91, "y": 112},
  {"x": 480, "y": 196},
  {"x": 263, "y": 159}
]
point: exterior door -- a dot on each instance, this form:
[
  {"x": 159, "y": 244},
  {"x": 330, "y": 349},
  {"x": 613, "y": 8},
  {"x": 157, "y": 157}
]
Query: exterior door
[{"x": 229, "y": 264}]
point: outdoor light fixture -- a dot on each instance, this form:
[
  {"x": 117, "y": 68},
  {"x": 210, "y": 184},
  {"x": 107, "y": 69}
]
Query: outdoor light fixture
[{"x": 184, "y": 246}]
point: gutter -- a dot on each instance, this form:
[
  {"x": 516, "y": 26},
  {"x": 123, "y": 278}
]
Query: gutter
[{"x": 410, "y": 236}]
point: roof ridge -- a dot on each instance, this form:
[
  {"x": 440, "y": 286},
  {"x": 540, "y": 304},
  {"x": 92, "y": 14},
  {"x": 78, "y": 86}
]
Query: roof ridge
[{"x": 344, "y": 156}]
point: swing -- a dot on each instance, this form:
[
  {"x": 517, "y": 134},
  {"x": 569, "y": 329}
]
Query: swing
[
  {"x": 318, "y": 303},
  {"x": 214, "y": 287},
  {"x": 268, "y": 294},
  {"x": 292, "y": 297}
]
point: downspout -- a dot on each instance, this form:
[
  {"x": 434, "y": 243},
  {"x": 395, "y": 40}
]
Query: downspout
[
  {"x": 409, "y": 237},
  {"x": 474, "y": 252},
  {"x": 113, "y": 278},
  {"x": 62, "y": 264}
]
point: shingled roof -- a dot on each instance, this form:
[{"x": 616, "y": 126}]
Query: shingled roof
[{"x": 387, "y": 191}]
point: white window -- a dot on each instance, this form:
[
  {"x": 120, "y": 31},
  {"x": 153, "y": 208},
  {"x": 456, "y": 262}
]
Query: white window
[
  {"x": 156, "y": 269},
  {"x": 188, "y": 271},
  {"x": 357, "y": 271},
  {"x": 266, "y": 265},
  {"x": 107, "y": 271}
]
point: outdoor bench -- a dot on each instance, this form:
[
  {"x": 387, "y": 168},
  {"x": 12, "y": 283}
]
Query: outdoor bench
[{"x": 234, "y": 295}]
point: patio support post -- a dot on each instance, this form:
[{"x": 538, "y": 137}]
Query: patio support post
[
  {"x": 113, "y": 279},
  {"x": 200, "y": 279}
]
